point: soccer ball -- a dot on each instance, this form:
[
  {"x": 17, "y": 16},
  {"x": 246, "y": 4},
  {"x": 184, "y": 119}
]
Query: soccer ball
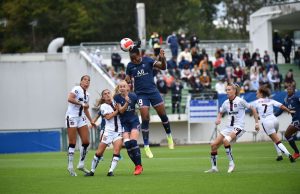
[{"x": 126, "y": 44}]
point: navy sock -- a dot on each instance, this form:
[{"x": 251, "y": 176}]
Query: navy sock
[
  {"x": 136, "y": 152},
  {"x": 145, "y": 131},
  {"x": 293, "y": 144},
  {"x": 128, "y": 146},
  {"x": 166, "y": 123}
]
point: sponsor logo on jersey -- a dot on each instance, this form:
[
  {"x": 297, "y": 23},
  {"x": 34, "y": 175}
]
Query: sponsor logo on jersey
[{"x": 141, "y": 73}]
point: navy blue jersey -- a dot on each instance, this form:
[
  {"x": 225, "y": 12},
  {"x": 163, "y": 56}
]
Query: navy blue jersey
[
  {"x": 292, "y": 103},
  {"x": 130, "y": 113},
  {"x": 143, "y": 76}
]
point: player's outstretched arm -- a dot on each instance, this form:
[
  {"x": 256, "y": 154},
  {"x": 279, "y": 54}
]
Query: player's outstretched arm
[
  {"x": 255, "y": 115},
  {"x": 282, "y": 107}
]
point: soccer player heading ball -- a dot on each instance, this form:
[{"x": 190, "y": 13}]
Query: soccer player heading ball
[{"x": 141, "y": 70}]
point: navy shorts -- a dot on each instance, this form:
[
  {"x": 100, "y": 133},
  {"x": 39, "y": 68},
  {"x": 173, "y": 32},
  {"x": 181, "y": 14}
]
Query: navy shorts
[
  {"x": 154, "y": 99},
  {"x": 128, "y": 126}
]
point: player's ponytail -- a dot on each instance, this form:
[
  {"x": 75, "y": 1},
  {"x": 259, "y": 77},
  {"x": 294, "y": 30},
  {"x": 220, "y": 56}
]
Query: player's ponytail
[{"x": 116, "y": 91}]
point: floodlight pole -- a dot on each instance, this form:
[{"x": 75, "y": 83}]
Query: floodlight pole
[{"x": 141, "y": 23}]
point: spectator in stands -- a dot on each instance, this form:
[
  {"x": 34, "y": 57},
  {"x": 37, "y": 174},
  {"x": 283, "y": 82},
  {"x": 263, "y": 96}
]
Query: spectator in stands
[
  {"x": 183, "y": 63},
  {"x": 121, "y": 74},
  {"x": 195, "y": 74},
  {"x": 197, "y": 86},
  {"x": 169, "y": 79},
  {"x": 176, "y": 91},
  {"x": 238, "y": 72},
  {"x": 98, "y": 59},
  {"x": 229, "y": 57},
  {"x": 297, "y": 57},
  {"x": 205, "y": 80},
  {"x": 266, "y": 58},
  {"x": 116, "y": 61},
  {"x": 272, "y": 65},
  {"x": 238, "y": 58},
  {"x": 203, "y": 65},
  {"x": 247, "y": 58},
  {"x": 289, "y": 79},
  {"x": 239, "y": 81},
  {"x": 186, "y": 75},
  {"x": 278, "y": 77},
  {"x": 272, "y": 79},
  {"x": 254, "y": 81},
  {"x": 172, "y": 67},
  {"x": 254, "y": 68},
  {"x": 182, "y": 41},
  {"x": 229, "y": 76},
  {"x": 264, "y": 80},
  {"x": 288, "y": 43},
  {"x": 172, "y": 42},
  {"x": 76, "y": 121},
  {"x": 246, "y": 86},
  {"x": 256, "y": 57},
  {"x": 194, "y": 41},
  {"x": 155, "y": 42},
  {"x": 195, "y": 56},
  {"x": 277, "y": 46},
  {"x": 220, "y": 86},
  {"x": 185, "y": 54},
  {"x": 219, "y": 65},
  {"x": 162, "y": 86},
  {"x": 112, "y": 74},
  {"x": 204, "y": 54}
]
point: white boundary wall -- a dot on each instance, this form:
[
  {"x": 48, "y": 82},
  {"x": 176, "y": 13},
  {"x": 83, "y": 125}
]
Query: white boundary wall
[{"x": 34, "y": 89}]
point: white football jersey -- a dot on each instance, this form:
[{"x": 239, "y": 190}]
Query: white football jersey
[
  {"x": 264, "y": 106},
  {"x": 114, "y": 124},
  {"x": 236, "y": 112},
  {"x": 81, "y": 95}
]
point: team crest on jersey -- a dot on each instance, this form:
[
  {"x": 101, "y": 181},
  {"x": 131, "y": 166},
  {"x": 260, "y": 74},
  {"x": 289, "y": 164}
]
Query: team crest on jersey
[
  {"x": 143, "y": 65},
  {"x": 235, "y": 105},
  {"x": 76, "y": 92},
  {"x": 71, "y": 123}
]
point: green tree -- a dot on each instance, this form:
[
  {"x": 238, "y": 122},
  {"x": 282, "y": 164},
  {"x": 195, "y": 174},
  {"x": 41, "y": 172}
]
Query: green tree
[{"x": 238, "y": 14}]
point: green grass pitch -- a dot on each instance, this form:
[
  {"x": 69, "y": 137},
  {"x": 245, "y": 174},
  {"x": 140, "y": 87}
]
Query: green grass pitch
[{"x": 170, "y": 171}]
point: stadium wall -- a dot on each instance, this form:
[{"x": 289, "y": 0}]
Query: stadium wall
[{"x": 34, "y": 89}]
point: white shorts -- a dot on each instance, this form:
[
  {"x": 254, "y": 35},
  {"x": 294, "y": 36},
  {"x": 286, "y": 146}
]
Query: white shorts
[
  {"x": 227, "y": 130},
  {"x": 270, "y": 125},
  {"x": 76, "y": 122},
  {"x": 109, "y": 137}
]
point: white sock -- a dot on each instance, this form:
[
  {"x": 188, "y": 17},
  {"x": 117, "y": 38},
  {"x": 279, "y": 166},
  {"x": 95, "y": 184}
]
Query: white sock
[
  {"x": 283, "y": 149},
  {"x": 169, "y": 135},
  {"x": 213, "y": 160},
  {"x": 279, "y": 153},
  {"x": 95, "y": 162},
  {"x": 146, "y": 146},
  {"x": 83, "y": 153},
  {"x": 70, "y": 157},
  {"x": 229, "y": 155},
  {"x": 114, "y": 163}
]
